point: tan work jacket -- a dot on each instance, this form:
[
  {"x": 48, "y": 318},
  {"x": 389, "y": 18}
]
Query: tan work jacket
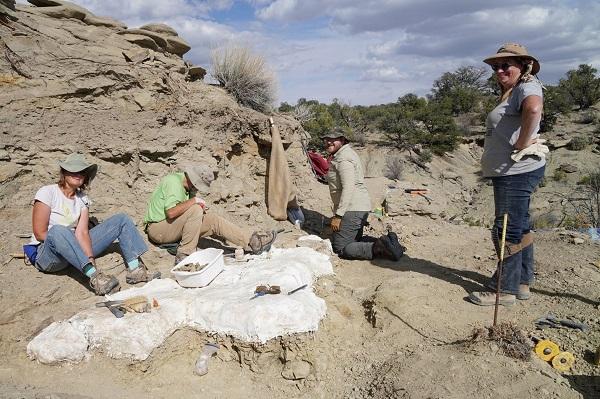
[{"x": 347, "y": 182}]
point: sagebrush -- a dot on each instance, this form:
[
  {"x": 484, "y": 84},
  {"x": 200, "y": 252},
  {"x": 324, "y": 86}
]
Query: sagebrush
[
  {"x": 394, "y": 167},
  {"x": 245, "y": 76}
]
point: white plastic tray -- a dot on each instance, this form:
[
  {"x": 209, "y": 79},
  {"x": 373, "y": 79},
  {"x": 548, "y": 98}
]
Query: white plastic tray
[{"x": 214, "y": 259}]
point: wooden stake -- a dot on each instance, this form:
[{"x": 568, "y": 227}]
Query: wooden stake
[{"x": 502, "y": 244}]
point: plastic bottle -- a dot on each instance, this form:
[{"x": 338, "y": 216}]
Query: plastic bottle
[{"x": 202, "y": 363}]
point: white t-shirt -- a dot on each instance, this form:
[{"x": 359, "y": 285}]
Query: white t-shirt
[{"x": 63, "y": 211}]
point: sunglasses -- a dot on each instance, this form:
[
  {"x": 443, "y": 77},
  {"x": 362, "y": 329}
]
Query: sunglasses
[
  {"x": 504, "y": 66},
  {"x": 81, "y": 173}
]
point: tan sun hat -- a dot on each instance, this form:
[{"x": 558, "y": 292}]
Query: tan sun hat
[
  {"x": 76, "y": 162},
  {"x": 201, "y": 176},
  {"x": 514, "y": 50}
]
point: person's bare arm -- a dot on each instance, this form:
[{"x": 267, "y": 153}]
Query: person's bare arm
[
  {"x": 82, "y": 233},
  {"x": 531, "y": 114},
  {"x": 179, "y": 209},
  {"x": 40, "y": 219}
]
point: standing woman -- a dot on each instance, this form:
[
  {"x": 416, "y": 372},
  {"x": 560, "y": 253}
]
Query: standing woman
[
  {"x": 60, "y": 230},
  {"x": 511, "y": 133}
]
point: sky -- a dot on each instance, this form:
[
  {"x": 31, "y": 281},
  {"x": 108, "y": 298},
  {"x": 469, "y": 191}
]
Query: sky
[{"x": 372, "y": 51}]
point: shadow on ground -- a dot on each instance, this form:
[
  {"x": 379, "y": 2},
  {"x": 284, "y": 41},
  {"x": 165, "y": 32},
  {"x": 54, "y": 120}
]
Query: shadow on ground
[
  {"x": 468, "y": 280},
  {"x": 587, "y": 385}
]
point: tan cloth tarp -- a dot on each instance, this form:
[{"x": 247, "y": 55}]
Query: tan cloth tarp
[{"x": 281, "y": 190}]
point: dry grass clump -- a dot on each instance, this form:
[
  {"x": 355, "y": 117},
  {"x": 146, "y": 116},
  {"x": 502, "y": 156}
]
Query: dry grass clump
[
  {"x": 245, "y": 76},
  {"x": 509, "y": 338},
  {"x": 394, "y": 167}
]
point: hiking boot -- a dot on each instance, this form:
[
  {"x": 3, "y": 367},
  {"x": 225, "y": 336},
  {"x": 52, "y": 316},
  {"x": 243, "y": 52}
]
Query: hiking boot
[
  {"x": 381, "y": 248},
  {"x": 524, "y": 293},
  {"x": 386, "y": 248},
  {"x": 103, "y": 284},
  {"x": 487, "y": 298},
  {"x": 140, "y": 275},
  {"x": 397, "y": 248},
  {"x": 261, "y": 242}
]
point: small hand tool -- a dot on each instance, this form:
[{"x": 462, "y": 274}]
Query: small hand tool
[
  {"x": 298, "y": 289},
  {"x": 113, "y": 306}
]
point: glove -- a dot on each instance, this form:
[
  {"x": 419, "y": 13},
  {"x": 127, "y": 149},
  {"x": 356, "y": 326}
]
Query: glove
[
  {"x": 336, "y": 222},
  {"x": 537, "y": 149}
]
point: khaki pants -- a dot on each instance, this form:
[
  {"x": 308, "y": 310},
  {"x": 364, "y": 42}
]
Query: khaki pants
[{"x": 194, "y": 224}]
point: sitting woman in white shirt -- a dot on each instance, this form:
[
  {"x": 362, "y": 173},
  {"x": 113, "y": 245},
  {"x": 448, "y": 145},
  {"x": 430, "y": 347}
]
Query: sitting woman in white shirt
[{"x": 61, "y": 230}]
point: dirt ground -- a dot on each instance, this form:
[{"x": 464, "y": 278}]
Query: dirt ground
[{"x": 393, "y": 329}]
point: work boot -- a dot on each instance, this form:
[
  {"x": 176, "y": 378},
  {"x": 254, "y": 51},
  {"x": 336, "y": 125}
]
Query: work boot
[
  {"x": 103, "y": 284},
  {"x": 397, "y": 248},
  {"x": 140, "y": 275},
  {"x": 261, "y": 242},
  {"x": 381, "y": 248}
]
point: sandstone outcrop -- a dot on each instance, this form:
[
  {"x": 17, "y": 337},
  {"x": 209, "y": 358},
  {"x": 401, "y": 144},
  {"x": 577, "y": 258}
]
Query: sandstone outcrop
[
  {"x": 67, "y": 85},
  {"x": 7, "y": 10}
]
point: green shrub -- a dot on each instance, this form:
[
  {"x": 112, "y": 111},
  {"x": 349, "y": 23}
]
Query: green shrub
[
  {"x": 559, "y": 175},
  {"x": 578, "y": 143},
  {"x": 582, "y": 86},
  {"x": 461, "y": 90},
  {"x": 556, "y": 102},
  {"x": 584, "y": 180},
  {"x": 425, "y": 157},
  {"x": 402, "y": 133},
  {"x": 472, "y": 222},
  {"x": 245, "y": 76}
]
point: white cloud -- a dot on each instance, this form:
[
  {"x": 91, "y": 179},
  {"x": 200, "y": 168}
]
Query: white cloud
[
  {"x": 386, "y": 73},
  {"x": 153, "y": 9},
  {"x": 290, "y": 10}
]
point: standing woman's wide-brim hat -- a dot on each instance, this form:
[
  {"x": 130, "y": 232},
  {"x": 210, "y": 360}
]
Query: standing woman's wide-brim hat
[
  {"x": 514, "y": 50},
  {"x": 77, "y": 163}
]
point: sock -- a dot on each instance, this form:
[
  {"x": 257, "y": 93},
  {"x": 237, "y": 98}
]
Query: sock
[
  {"x": 133, "y": 264},
  {"x": 89, "y": 270}
]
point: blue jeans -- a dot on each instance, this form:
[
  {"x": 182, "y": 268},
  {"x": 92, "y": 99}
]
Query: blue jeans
[
  {"x": 61, "y": 249},
  {"x": 347, "y": 242},
  {"x": 512, "y": 195}
]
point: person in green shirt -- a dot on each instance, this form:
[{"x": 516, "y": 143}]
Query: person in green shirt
[{"x": 176, "y": 212}]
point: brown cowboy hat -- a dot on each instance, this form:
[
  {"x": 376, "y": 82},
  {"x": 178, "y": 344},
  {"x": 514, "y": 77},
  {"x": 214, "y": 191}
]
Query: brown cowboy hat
[{"x": 513, "y": 50}]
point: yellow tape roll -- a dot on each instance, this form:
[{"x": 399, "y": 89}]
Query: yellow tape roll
[
  {"x": 563, "y": 361},
  {"x": 546, "y": 350}
]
